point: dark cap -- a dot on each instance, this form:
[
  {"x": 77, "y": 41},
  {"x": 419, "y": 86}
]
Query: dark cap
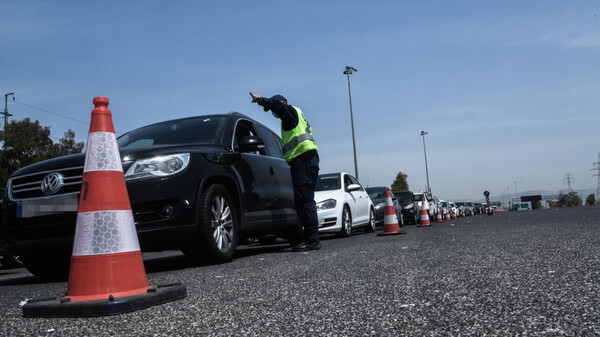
[{"x": 277, "y": 98}]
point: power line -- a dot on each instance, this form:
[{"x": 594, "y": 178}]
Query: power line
[{"x": 50, "y": 112}]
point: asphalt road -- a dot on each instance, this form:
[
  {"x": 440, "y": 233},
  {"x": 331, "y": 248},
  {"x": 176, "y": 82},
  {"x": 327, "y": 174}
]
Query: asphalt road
[{"x": 513, "y": 273}]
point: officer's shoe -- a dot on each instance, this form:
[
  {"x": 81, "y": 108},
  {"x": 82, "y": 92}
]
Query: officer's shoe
[{"x": 304, "y": 247}]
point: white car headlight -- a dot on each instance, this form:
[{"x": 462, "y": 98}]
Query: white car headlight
[
  {"x": 379, "y": 205},
  {"x": 158, "y": 166},
  {"x": 326, "y": 204},
  {"x": 408, "y": 207}
]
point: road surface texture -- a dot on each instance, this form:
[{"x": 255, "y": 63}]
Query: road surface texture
[{"x": 533, "y": 273}]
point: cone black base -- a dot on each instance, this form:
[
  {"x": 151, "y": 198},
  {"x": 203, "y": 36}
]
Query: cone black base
[
  {"x": 59, "y": 307},
  {"x": 388, "y": 234}
]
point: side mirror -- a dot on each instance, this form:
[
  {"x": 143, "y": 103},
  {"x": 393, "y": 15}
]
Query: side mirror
[
  {"x": 353, "y": 187},
  {"x": 251, "y": 144}
]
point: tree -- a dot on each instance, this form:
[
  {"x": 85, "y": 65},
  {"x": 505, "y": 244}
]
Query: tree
[
  {"x": 27, "y": 142},
  {"x": 568, "y": 200},
  {"x": 591, "y": 199},
  {"x": 400, "y": 184}
]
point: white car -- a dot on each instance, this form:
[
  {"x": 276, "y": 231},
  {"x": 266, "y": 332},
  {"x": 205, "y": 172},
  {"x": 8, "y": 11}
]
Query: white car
[{"x": 343, "y": 205}]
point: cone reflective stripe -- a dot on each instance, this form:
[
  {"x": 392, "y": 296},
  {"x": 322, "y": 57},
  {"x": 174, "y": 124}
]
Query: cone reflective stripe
[
  {"x": 390, "y": 220},
  {"x": 424, "y": 216},
  {"x": 107, "y": 261},
  {"x": 438, "y": 214}
]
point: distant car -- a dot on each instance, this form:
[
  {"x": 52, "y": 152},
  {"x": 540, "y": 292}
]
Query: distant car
[
  {"x": 377, "y": 195},
  {"x": 453, "y": 209},
  {"x": 343, "y": 205},
  {"x": 406, "y": 200},
  {"x": 419, "y": 198}
]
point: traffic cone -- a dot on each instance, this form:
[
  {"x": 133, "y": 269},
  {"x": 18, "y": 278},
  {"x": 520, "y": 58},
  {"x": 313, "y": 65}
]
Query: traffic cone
[
  {"x": 390, "y": 220},
  {"x": 424, "y": 216},
  {"x": 447, "y": 214},
  {"x": 107, "y": 274},
  {"x": 438, "y": 214}
]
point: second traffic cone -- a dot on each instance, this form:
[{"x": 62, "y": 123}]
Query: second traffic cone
[
  {"x": 438, "y": 214},
  {"x": 107, "y": 273},
  {"x": 447, "y": 215},
  {"x": 424, "y": 216},
  {"x": 390, "y": 219}
]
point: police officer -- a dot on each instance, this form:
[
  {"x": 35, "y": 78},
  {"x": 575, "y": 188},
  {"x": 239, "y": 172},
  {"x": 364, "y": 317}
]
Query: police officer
[{"x": 301, "y": 153}]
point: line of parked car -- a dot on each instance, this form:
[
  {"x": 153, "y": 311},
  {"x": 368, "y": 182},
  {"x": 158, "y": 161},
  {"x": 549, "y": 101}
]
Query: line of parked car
[{"x": 203, "y": 184}]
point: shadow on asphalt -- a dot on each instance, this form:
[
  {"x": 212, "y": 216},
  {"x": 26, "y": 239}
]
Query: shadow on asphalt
[{"x": 157, "y": 262}]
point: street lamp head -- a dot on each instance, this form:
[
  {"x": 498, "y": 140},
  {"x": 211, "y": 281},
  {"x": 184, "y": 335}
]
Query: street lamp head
[
  {"x": 349, "y": 70},
  {"x": 423, "y": 133}
]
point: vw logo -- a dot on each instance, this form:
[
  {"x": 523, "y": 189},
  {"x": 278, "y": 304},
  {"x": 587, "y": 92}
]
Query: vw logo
[{"x": 52, "y": 183}]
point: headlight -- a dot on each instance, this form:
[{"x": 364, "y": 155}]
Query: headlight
[
  {"x": 327, "y": 204},
  {"x": 409, "y": 206},
  {"x": 158, "y": 166},
  {"x": 380, "y": 205}
]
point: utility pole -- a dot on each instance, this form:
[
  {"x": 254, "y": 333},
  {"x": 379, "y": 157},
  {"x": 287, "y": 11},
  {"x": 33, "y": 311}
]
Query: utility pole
[
  {"x": 567, "y": 180},
  {"x": 5, "y": 113},
  {"x": 597, "y": 169}
]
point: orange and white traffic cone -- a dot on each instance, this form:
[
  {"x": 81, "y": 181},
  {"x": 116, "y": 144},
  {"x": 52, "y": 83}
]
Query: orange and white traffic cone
[
  {"x": 438, "y": 214},
  {"x": 424, "y": 216},
  {"x": 447, "y": 215},
  {"x": 107, "y": 274},
  {"x": 390, "y": 219}
]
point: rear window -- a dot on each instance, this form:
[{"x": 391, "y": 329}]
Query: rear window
[{"x": 328, "y": 182}]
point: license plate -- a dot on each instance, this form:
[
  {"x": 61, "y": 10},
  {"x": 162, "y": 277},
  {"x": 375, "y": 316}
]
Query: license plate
[{"x": 47, "y": 206}]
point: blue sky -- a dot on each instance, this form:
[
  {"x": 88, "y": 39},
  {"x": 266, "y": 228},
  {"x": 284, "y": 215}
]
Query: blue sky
[{"x": 507, "y": 90}]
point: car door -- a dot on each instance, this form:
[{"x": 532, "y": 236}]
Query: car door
[
  {"x": 361, "y": 214},
  {"x": 286, "y": 210},
  {"x": 260, "y": 187}
]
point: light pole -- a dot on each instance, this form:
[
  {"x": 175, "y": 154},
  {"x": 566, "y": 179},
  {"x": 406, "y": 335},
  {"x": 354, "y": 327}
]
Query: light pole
[
  {"x": 516, "y": 194},
  {"x": 347, "y": 72},
  {"x": 423, "y": 133}
]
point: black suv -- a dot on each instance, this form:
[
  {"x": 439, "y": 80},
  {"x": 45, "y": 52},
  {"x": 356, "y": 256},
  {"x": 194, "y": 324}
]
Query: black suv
[{"x": 201, "y": 184}]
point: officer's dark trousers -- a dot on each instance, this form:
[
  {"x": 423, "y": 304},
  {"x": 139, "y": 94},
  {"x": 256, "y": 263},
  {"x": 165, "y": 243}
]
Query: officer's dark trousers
[{"x": 305, "y": 171}]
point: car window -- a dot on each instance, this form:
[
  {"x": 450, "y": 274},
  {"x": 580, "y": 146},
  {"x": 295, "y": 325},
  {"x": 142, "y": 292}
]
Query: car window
[
  {"x": 354, "y": 181},
  {"x": 272, "y": 142},
  {"x": 376, "y": 193},
  {"x": 403, "y": 197},
  {"x": 201, "y": 130},
  {"x": 243, "y": 129},
  {"x": 328, "y": 182}
]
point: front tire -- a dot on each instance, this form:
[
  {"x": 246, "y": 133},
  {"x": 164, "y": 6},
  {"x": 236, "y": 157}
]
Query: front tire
[
  {"x": 370, "y": 228},
  {"x": 218, "y": 227},
  {"x": 346, "y": 230}
]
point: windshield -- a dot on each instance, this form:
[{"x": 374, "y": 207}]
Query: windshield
[
  {"x": 202, "y": 130},
  {"x": 418, "y": 197},
  {"x": 328, "y": 182},
  {"x": 403, "y": 197},
  {"x": 376, "y": 192}
]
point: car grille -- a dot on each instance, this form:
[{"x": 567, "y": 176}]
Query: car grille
[{"x": 29, "y": 186}]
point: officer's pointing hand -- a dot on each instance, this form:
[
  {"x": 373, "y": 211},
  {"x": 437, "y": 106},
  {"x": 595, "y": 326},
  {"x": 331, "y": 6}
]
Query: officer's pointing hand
[{"x": 255, "y": 97}]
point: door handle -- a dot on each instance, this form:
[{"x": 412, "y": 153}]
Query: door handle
[{"x": 271, "y": 170}]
